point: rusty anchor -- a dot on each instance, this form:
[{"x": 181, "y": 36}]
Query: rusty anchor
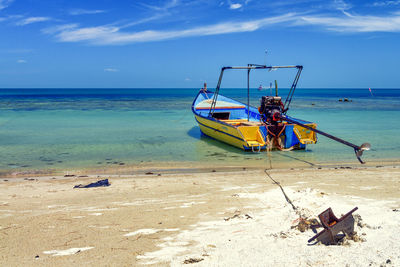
[{"x": 333, "y": 226}]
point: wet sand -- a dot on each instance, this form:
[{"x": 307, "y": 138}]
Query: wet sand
[{"x": 208, "y": 217}]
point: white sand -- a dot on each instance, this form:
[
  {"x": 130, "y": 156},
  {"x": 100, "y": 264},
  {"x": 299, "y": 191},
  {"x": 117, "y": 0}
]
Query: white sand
[
  {"x": 66, "y": 252},
  {"x": 268, "y": 239},
  {"x": 143, "y": 232}
]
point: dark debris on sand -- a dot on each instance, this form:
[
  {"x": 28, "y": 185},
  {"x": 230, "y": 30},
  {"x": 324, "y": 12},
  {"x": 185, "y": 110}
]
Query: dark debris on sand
[
  {"x": 305, "y": 224},
  {"x": 192, "y": 260}
]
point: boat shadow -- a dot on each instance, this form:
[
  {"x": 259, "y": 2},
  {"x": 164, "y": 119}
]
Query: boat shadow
[{"x": 195, "y": 133}]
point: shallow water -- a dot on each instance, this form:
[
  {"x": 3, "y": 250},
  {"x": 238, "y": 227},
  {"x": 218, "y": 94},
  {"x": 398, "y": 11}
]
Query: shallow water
[{"x": 80, "y": 128}]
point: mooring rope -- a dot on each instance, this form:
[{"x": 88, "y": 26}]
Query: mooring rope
[
  {"x": 276, "y": 182},
  {"x": 283, "y": 191},
  {"x": 280, "y": 147},
  {"x": 277, "y": 139}
]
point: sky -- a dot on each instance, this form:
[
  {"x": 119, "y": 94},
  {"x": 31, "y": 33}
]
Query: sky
[{"x": 181, "y": 44}]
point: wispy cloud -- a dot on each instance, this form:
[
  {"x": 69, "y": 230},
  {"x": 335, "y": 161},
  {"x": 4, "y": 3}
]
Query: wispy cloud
[
  {"x": 111, "y": 70},
  {"x": 157, "y": 12},
  {"x": 354, "y": 23},
  {"x": 113, "y": 35},
  {"x": 21, "y": 61},
  {"x": 154, "y": 17},
  {"x": 11, "y": 18},
  {"x": 341, "y": 5},
  {"x": 76, "y": 12},
  {"x": 386, "y": 3},
  {"x": 116, "y": 35},
  {"x": 31, "y": 20},
  {"x": 166, "y": 6},
  {"x": 60, "y": 28},
  {"x": 5, "y": 3}
]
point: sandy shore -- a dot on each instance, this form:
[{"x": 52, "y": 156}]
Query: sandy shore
[{"x": 200, "y": 218}]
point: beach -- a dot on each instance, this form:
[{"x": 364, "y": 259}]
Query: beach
[
  {"x": 199, "y": 133},
  {"x": 213, "y": 217}
]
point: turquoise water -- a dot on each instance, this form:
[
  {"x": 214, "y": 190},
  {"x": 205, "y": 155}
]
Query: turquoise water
[{"x": 71, "y": 128}]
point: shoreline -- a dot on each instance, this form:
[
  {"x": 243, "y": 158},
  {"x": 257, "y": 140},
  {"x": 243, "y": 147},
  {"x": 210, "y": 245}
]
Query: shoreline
[{"x": 192, "y": 167}]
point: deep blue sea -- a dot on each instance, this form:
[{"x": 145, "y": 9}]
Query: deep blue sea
[{"x": 80, "y": 128}]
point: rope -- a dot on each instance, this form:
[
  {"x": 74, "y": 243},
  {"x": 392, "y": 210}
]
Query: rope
[
  {"x": 276, "y": 182},
  {"x": 298, "y": 211},
  {"x": 269, "y": 147},
  {"x": 278, "y": 141},
  {"x": 283, "y": 191},
  {"x": 280, "y": 147}
]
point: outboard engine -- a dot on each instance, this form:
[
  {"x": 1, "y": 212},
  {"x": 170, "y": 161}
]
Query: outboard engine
[{"x": 271, "y": 106}]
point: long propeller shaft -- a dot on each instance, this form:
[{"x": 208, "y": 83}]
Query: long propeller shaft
[{"x": 357, "y": 149}]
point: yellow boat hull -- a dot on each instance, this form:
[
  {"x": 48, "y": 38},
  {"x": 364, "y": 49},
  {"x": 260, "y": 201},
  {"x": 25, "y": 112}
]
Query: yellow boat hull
[{"x": 225, "y": 133}]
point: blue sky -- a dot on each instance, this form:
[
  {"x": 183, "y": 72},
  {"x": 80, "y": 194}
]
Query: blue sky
[{"x": 178, "y": 43}]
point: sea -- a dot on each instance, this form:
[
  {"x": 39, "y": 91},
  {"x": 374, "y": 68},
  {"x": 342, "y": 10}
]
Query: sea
[{"x": 64, "y": 129}]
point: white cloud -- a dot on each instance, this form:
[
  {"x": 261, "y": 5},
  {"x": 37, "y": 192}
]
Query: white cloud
[
  {"x": 11, "y": 17},
  {"x": 5, "y": 3},
  {"x": 21, "y": 61},
  {"x": 145, "y": 20},
  {"x": 111, "y": 70},
  {"x": 31, "y": 20},
  {"x": 76, "y": 12},
  {"x": 354, "y": 23},
  {"x": 114, "y": 35},
  {"x": 87, "y": 34},
  {"x": 157, "y": 12},
  {"x": 235, "y": 6},
  {"x": 386, "y": 3},
  {"x": 341, "y": 5},
  {"x": 60, "y": 28},
  {"x": 165, "y": 7}
]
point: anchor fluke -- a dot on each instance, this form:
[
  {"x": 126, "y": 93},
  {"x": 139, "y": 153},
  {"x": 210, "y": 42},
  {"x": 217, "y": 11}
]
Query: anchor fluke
[
  {"x": 365, "y": 146},
  {"x": 359, "y": 151}
]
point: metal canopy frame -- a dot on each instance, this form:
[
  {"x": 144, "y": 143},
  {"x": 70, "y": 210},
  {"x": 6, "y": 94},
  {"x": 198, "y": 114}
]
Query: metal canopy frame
[{"x": 250, "y": 67}]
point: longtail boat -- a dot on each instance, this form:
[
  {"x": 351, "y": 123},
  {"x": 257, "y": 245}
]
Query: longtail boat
[{"x": 256, "y": 129}]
